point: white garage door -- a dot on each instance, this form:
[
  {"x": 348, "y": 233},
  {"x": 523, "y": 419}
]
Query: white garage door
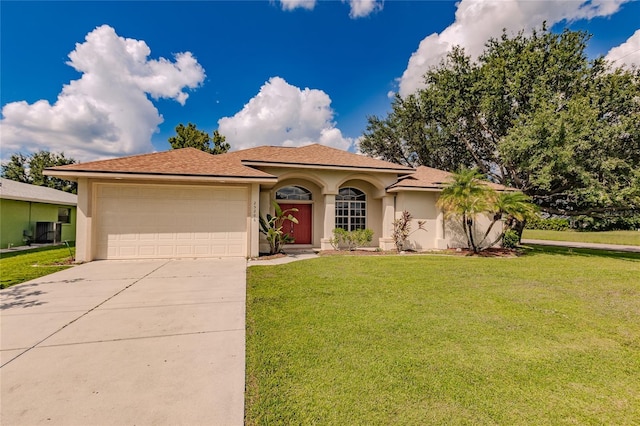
[{"x": 162, "y": 221}]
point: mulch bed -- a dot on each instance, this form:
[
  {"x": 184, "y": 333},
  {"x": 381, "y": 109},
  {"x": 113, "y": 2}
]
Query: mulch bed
[{"x": 491, "y": 252}]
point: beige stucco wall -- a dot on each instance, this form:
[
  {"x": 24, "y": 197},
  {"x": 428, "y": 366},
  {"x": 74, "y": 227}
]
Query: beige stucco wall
[
  {"x": 454, "y": 233},
  {"x": 422, "y": 206}
]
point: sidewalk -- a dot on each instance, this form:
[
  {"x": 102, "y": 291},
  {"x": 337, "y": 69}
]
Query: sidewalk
[{"x": 610, "y": 247}]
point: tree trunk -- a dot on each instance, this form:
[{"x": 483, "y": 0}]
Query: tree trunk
[{"x": 519, "y": 227}]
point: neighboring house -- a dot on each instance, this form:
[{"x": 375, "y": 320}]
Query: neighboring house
[
  {"x": 187, "y": 203},
  {"x": 30, "y": 213}
]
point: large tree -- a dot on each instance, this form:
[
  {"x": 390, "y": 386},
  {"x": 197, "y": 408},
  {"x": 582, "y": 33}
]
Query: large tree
[
  {"x": 28, "y": 169},
  {"x": 531, "y": 112},
  {"x": 191, "y": 136}
]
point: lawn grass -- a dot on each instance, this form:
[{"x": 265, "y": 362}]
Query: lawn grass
[
  {"x": 630, "y": 238},
  {"x": 20, "y": 266},
  {"x": 552, "y": 337}
]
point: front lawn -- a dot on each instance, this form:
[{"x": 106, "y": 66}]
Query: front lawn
[
  {"x": 552, "y": 337},
  {"x": 20, "y": 266},
  {"x": 629, "y": 238}
]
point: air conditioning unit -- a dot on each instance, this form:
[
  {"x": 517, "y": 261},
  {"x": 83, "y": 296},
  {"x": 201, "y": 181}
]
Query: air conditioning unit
[{"x": 48, "y": 232}]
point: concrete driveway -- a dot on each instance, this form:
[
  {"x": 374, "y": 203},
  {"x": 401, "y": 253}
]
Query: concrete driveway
[{"x": 126, "y": 342}]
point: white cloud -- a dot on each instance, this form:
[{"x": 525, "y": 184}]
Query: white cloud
[
  {"x": 297, "y": 4},
  {"x": 284, "y": 115},
  {"x": 478, "y": 20},
  {"x": 628, "y": 53},
  {"x": 106, "y": 112},
  {"x": 363, "y": 8}
]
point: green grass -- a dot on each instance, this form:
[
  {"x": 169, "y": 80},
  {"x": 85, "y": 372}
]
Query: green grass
[
  {"x": 630, "y": 238},
  {"x": 20, "y": 266},
  {"x": 552, "y": 337}
]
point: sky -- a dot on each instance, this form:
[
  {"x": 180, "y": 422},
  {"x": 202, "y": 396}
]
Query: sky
[{"x": 99, "y": 80}]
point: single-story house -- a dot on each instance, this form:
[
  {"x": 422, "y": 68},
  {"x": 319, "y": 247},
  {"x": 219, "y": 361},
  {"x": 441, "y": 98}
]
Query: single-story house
[
  {"x": 31, "y": 213},
  {"x": 187, "y": 203}
]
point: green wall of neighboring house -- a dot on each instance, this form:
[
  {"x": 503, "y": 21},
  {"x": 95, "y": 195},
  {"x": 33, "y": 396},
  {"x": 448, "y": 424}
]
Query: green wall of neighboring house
[{"x": 18, "y": 216}]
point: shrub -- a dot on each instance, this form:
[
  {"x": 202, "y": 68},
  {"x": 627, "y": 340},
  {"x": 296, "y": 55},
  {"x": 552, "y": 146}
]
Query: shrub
[
  {"x": 608, "y": 223},
  {"x": 401, "y": 230},
  {"x": 271, "y": 227},
  {"x": 510, "y": 239},
  {"x": 548, "y": 224},
  {"x": 351, "y": 239}
]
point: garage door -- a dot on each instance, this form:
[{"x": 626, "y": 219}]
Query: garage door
[{"x": 162, "y": 221}]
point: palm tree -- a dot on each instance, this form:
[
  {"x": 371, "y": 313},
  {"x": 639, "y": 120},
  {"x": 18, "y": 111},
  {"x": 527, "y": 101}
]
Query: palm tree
[
  {"x": 468, "y": 196},
  {"x": 511, "y": 206}
]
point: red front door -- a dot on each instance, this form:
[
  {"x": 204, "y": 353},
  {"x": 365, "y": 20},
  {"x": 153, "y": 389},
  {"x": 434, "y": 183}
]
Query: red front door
[{"x": 300, "y": 231}]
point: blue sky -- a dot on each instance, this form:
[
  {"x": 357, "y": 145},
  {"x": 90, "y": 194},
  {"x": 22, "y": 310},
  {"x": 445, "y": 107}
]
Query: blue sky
[{"x": 280, "y": 73}]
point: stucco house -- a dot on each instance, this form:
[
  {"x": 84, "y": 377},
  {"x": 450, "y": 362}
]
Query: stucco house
[
  {"x": 187, "y": 203},
  {"x": 30, "y": 213}
]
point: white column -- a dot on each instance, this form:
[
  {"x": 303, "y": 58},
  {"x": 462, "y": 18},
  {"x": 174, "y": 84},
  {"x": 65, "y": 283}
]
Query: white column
[
  {"x": 264, "y": 208},
  {"x": 254, "y": 232},
  {"x": 84, "y": 222},
  {"x": 388, "y": 216},
  {"x": 329, "y": 221},
  {"x": 440, "y": 242}
]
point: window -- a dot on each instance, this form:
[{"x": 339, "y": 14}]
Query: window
[
  {"x": 64, "y": 215},
  {"x": 296, "y": 193},
  {"x": 351, "y": 209}
]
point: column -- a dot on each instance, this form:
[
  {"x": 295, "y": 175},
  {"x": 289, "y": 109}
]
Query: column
[
  {"x": 329, "y": 221},
  {"x": 265, "y": 207},
  {"x": 388, "y": 216},
  {"x": 254, "y": 226},
  {"x": 84, "y": 222},
  {"x": 440, "y": 242}
]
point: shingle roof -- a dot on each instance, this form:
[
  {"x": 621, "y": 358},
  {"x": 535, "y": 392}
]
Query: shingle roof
[
  {"x": 181, "y": 162},
  {"x": 428, "y": 178},
  {"x": 193, "y": 162},
  {"x": 12, "y": 190},
  {"x": 316, "y": 155}
]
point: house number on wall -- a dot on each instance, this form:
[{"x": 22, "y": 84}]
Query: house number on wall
[{"x": 255, "y": 210}]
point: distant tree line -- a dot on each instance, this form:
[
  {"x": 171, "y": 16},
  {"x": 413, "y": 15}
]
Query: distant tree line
[{"x": 28, "y": 169}]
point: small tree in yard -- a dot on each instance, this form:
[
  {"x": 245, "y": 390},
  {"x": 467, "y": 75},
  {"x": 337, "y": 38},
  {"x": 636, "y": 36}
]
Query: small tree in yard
[
  {"x": 468, "y": 197},
  {"x": 402, "y": 229},
  {"x": 272, "y": 228}
]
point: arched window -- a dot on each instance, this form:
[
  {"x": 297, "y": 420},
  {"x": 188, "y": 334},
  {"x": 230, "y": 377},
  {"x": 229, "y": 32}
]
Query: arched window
[
  {"x": 351, "y": 209},
  {"x": 296, "y": 193}
]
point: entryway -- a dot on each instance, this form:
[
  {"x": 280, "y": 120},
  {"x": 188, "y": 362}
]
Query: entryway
[{"x": 301, "y": 231}]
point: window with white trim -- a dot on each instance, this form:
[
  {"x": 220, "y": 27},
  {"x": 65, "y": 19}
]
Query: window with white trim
[
  {"x": 351, "y": 209},
  {"x": 296, "y": 193},
  {"x": 64, "y": 214}
]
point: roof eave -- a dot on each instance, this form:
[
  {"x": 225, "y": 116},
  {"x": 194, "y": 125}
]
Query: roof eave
[
  {"x": 415, "y": 189},
  {"x": 257, "y": 163},
  {"x": 37, "y": 200},
  {"x": 73, "y": 175}
]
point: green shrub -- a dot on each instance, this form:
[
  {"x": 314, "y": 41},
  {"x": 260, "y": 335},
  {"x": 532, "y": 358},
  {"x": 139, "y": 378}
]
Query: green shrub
[
  {"x": 608, "y": 223},
  {"x": 548, "y": 224},
  {"x": 510, "y": 239},
  {"x": 351, "y": 239}
]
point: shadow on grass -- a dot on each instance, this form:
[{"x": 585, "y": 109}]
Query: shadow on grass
[{"x": 534, "y": 250}]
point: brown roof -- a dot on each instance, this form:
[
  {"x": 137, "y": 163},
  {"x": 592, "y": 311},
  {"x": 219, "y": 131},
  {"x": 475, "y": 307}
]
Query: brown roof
[
  {"x": 193, "y": 162},
  {"x": 181, "y": 162},
  {"x": 316, "y": 155},
  {"x": 429, "y": 178}
]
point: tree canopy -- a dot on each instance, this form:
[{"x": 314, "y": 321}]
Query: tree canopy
[
  {"x": 191, "y": 136},
  {"x": 28, "y": 169},
  {"x": 532, "y": 112}
]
